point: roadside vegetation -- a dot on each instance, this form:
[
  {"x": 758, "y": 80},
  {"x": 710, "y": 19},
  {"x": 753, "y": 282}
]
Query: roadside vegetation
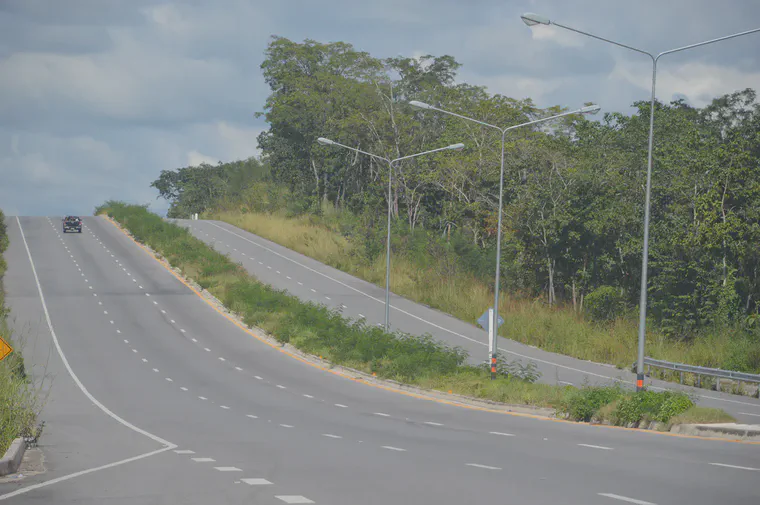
[
  {"x": 573, "y": 204},
  {"x": 18, "y": 399},
  {"x": 414, "y": 360}
]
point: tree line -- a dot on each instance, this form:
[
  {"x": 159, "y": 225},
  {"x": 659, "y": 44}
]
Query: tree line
[{"x": 574, "y": 190}]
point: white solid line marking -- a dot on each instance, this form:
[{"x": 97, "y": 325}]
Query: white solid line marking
[
  {"x": 625, "y": 498},
  {"x": 183, "y": 388},
  {"x": 169, "y": 379},
  {"x": 238, "y": 369},
  {"x": 184, "y": 451},
  {"x": 281, "y": 387},
  {"x": 431, "y": 423},
  {"x": 737, "y": 467},
  {"x": 341, "y": 405},
  {"x": 391, "y": 448},
  {"x": 255, "y": 482},
  {"x": 293, "y": 499},
  {"x": 328, "y": 435},
  {"x": 204, "y": 460},
  {"x": 476, "y": 465},
  {"x": 203, "y": 398},
  {"x": 383, "y": 414},
  {"x": 748, "y": 414},
  {"x": 286, "y": 425},
  {"x": 252, "y": 416},
  {"x": 501, "y": 434},
  {"x": 225, "y": 407},
  {"x": 596, "y": 447},
  {"x": 308, "y": 396},
  {"x": 227, "y": 469}
]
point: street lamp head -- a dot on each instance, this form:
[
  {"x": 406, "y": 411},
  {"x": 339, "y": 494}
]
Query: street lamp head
[
  {"x": 590, "y": 109},
  {"x": 420, "y": 105},
  {"x": 325, "y": 142},
  {"x": 455, "y": 147},
  {"x": 532, "y": 19}
]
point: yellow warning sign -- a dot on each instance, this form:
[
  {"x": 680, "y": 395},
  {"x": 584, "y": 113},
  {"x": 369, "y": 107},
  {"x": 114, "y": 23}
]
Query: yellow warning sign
[{"x": 5, "y": 349}]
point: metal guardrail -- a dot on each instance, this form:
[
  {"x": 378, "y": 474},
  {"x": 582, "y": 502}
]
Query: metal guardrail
[{"x": 700, "y": 371}]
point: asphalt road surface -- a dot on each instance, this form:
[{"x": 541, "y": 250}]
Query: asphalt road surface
[
  {"x": 311, "y": 280},
  {"x": 157, "y": 398}
]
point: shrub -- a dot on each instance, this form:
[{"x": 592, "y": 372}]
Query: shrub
[
  {"x": 605, "y": 303},
  {"x": 585, "y": 402}
]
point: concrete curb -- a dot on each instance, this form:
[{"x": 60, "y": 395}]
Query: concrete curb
[
  {"x": 722, "y": 430},
  {"x": 12, "y": 458}
]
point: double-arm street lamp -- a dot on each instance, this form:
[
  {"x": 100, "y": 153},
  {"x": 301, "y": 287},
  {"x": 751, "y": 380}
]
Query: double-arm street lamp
[
  {"x": 591, "y": 109},
  {"x": 532, "y": 19},
  {"x": 390, "y": 162}
]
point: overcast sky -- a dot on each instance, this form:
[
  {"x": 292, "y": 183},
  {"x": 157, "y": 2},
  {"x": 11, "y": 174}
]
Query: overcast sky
[{"x": 98, "y": 96}]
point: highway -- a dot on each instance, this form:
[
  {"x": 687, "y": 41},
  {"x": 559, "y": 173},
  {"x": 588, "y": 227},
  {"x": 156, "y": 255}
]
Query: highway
[
  {"x": 158, "y": 398},
  {"x": 311, "y": 280}
]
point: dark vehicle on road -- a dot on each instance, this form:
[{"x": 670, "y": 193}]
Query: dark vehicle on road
[{"x": 72, "y": 223}]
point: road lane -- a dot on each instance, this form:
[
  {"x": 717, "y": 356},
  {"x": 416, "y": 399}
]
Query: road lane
[
  {"x": 359, "y": 299},
  {"x": 278, "y": 433}
]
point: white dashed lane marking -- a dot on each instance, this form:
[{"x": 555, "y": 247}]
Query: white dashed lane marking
[
  {"x": 204, "y": 460},
  {"x": 382, "y": 414},
  {"x": 391, "y": 448},
  {"x": 737, "y": 467},
  {"x": 227, "y": 469},
  {"x": 252, "y": 416},
  {"x": 255, "y": 482},
  {"x": 184, "y": 451},
  {"x": 625, "y": 499},
  {"x": 596, "y": 447},
  {"x": 501, "y": 434},
  {"x": 341, "y": 405},
  {"x": 225, "y": 407},
  {"x": 293, "y": 499},
  {"x": 328, "y": 435},
  {"x": 486, "y": 467},
  {"x": 431, "y": 423}
]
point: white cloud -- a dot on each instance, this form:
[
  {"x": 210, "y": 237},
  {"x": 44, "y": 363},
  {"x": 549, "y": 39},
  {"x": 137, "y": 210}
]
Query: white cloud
[
  {"x": 194, "y": 158},
  {"x": 699, "y": 82},
  {"x": 557, "y": 35}
]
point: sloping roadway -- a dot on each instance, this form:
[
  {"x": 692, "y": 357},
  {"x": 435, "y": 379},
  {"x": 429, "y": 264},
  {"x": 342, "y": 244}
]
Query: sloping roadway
[
  {"x": 152, "y": 371},
  {"x": 313, "y": 281}
]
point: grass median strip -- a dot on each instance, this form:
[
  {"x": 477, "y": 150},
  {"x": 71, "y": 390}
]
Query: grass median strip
[{"x": 320, "y": 331}]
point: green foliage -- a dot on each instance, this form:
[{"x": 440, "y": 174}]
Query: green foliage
[
  {"x": 650, "y": 406},
  {"x": 585, "y": 402},
  {"x": 604, "y": 303},
  {"x": 18, "y": 400},
  {"x": 573, "y": 199}
]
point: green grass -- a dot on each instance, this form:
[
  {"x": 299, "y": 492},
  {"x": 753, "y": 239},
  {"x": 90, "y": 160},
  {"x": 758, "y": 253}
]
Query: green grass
[
  {"x": 702, "y": 415},
  {"x": 18, "y": 400},
  {"x": 317, "y": 330},
  {"x": 451, "y": 289}
]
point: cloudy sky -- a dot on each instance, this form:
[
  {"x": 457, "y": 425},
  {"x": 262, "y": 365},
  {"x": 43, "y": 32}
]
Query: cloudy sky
[{"x": 98, "y": 96}]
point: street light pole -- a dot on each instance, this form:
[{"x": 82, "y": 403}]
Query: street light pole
[
  {"x": 532, "y": 19},
  {"x": 390, "y": 162},
  {"x": 591, "y": 109}
]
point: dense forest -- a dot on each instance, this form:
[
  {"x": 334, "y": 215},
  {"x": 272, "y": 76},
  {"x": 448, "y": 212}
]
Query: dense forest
[{"x": 574, "y": 190}]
